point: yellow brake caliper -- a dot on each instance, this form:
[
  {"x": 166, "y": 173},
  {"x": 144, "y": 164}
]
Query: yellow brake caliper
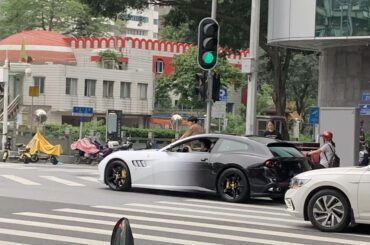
[{"x": 123, "y": 173}]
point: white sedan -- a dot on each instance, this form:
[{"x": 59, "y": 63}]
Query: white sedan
[{"x": 331, "y": 198}]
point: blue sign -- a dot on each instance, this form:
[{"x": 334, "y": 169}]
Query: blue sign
[
  {"x": 365, "y": 96},
  {"x": 314, "y": 115},
  {"x": 223, "y": 94},
  {"x": 364, "y": 110},
  {"x": 82, "y": 111}
]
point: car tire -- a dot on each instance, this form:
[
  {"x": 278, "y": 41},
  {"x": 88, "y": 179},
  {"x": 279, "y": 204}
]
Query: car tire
[
  {"x": 330, "y": 207},
  {"x": 118, "y": 176},
  {"x": 232, "y": 185}
]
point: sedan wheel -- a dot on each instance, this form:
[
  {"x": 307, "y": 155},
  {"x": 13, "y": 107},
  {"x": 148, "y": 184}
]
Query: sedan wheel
[
  {"x": 118, "y": 176},
  {"x": 329, "y": 210},
  {"x": 232, "y": 185}
]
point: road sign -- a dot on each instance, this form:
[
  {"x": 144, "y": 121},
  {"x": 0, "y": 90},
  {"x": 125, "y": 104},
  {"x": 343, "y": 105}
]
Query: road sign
[
  {"x": 82, "y": 111},
  {"x": 223, "y": 94},
  {"x": 364, "y": 109},
  {"x": 33, "y": 91},
  {"x": 314, "y": 115},
  {"x": 219, "y": 109},
  {"x": 365, "y": 96}
]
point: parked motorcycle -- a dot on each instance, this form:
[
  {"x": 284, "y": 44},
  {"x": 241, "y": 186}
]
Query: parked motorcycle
[
  {"x": 7, "y": 148},
  {"x": 24, "y": 154},
  {"x": 39, "y": 144}
]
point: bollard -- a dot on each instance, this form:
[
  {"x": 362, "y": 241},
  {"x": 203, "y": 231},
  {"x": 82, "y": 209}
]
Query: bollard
[{"x": 122, "y": 234}]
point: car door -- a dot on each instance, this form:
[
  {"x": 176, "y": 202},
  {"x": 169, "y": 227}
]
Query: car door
[
  {"x": 364, "y": 196},
  {"x": 182, "y": 168}
]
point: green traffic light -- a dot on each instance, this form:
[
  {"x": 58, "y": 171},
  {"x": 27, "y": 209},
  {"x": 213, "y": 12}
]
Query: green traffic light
[{"x": 208, "y": 57}]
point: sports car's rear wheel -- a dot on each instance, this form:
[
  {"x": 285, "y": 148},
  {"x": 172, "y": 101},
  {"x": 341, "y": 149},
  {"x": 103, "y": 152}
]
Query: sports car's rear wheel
[
  {"x": 232, "y": 185},
  {"x": 118, "y": 176},
  {"x": 329, "y": 210}
]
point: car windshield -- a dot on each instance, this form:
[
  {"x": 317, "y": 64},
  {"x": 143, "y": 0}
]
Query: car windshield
[{"x": 285, "y": 151}]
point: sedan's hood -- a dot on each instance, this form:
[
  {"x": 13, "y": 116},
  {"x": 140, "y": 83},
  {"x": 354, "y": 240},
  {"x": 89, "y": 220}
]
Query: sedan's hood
[{"x": 332, "y": 171}]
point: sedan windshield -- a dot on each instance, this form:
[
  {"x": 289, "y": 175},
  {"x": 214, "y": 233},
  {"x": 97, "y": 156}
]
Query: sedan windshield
[{"x": 285, "y": 151}]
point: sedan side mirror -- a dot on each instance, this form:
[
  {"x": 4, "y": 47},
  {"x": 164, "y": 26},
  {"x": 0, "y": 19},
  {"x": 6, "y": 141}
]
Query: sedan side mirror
[{"x": 122, "y": 234}]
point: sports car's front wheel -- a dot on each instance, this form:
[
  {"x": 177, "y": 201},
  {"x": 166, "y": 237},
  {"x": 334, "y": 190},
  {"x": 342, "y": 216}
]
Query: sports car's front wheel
[
  {"x": 118, "y": 176},
  {"x": 329, "y": 210},
  {"x": 232, "y": 185}
]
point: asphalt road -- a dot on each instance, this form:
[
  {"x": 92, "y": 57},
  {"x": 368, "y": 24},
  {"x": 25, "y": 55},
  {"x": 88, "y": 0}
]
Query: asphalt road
[{"x": 64, "y": 204}]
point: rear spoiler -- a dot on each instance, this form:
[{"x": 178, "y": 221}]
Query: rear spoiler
[{"x": 305, "y": 146}]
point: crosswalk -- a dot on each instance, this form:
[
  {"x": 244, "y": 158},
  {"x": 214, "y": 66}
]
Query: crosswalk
[
  {"x": 71, "y": 176},
  {"x": 186, "y": 221}
]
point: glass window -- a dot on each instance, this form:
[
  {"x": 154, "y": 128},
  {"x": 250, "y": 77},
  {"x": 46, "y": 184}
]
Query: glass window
[
  {"x": 231, "y": 145},
  {"x": 342, "y": 18},
  {"x": 90, "y": 87},
  {"x": 197, "y": 145},
  {"x": 125, "y": 90},
  {"x": 71, "y": 86},
  {"x": 108, "y": 89},
  {"x": 159, "y": 66},
  {"x": 39, "y": 82},
  {"x": 143, "y": 90},
  {"x": 285, "y": 151},
  {"x": 155, "y": 21}
]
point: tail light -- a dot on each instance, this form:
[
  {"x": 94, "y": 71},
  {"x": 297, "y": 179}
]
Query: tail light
[{"x": 270, "y": 163}]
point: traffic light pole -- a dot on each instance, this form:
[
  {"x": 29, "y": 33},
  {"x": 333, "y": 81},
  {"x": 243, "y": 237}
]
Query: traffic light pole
[
  {"x": 209, "y": 81},
  {"x": 252, "y": 81}
]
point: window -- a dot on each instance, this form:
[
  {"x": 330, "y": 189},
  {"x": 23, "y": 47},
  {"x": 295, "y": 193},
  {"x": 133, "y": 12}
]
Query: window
[
  {"x": 143, "y": 90},
  {"x": 90, "y": 87},
  {"x": 232, "y": 146},
  {"x": 159, "y": 66},
  {"x": 108, "y": 89},
  {"x": 155, "y": 21},
  {"x": 39, "y": 82},
  {"x": 71, "y": 86},
  {"x": 197, "y": 145},
  {"x": 125, "y": 90}
]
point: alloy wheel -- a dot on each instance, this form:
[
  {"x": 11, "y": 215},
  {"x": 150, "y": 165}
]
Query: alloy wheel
[{"x": 328, "y": 211}]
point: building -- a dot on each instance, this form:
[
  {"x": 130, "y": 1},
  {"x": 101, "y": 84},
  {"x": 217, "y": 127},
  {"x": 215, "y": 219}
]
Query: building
[
  {"x": 340, "y": 32},
  {"x": 68, "y": 73},
  {"x": 143, "y": 23}
]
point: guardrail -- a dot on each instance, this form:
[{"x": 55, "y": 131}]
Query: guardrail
[{"x": 11, "y": 107}]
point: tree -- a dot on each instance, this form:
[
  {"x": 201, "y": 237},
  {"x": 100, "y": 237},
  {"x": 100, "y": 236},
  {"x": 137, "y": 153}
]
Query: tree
[
  {"x": 302, "y": 83},
  {"x": 182, "y": 82},
  {"x": 64, "y": 16}
]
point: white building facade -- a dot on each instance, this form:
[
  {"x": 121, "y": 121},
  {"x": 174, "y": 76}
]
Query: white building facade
[{"x": 68, "y": 73}]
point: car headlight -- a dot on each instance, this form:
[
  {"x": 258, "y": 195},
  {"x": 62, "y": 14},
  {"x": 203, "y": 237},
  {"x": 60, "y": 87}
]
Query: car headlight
[{"x": 297, "y": 183}]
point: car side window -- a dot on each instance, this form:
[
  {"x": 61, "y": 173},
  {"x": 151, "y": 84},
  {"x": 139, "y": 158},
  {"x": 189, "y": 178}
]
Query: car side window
[
  {"x": 232, "y": 146},
  {"x": 196, "y": 145}
]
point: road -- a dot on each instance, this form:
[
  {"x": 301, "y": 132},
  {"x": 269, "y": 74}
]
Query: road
[{"x": 64, "y": 204}]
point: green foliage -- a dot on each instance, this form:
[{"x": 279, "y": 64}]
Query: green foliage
[
  {"x": 108, "y": 54},
  {"x": 64, "y": 16},
  {"x": 182, "y": 81},
  {"x": 143, "y": 132},
  {"x": 235, "y": 124},
  {"x": 264, "y": 93}
]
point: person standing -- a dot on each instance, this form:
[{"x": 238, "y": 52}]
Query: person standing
[
  {"x": 326, "y": 151},
  {"x": 194, "y": 128},
  {"x": 271, "y": 131}
]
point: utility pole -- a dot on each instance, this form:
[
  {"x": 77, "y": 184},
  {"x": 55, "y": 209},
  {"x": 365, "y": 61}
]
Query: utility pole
[
  {"x": 252, "y": 81},
  {"x": 209, "y": 81},
  {"x": 5, "y": 79}
]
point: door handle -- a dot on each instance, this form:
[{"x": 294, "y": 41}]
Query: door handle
[{"x": 204, "y": 159}]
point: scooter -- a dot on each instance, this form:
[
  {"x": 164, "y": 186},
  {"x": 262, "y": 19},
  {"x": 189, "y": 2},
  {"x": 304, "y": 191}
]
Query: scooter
[{"x": 7, "y": 148}]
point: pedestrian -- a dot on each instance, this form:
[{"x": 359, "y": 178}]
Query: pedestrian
[
  {"x": 326, "y": 151},
  {"x": 194, "y": 128},
  {"x": 271, "y": 131}
]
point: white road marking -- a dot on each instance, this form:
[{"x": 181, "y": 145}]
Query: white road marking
[
  {"x": 19, "y": 179},
  {"x": 12, "y": 243},
  {"x": 214, "y": 213},
  {"x": 51, "y": 237},
  {"x": 87, "y": 178},
  {"x": 239, "y": 210},
  {"x": 293, "y": 234},
  {"x": 62, "y": 181},
  {"x": 147, "y": 227},
  {"x": 94, "y": 231},
  {"x": 241, "y": 205}
]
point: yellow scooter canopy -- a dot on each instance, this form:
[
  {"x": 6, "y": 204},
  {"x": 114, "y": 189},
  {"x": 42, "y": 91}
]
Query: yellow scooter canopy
[{"x": 39, "y": 144}]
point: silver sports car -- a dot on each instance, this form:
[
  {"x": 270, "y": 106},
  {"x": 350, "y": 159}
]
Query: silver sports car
[{"x": 236, "y": 167}]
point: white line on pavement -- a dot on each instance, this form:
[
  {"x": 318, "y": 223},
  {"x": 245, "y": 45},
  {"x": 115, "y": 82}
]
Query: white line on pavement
[
  {"x": 239, "y": 210},
  {"x": 62, "y": 181},
  {"x": 87, "y": 178},
  {"x": 20, "y": 180}
]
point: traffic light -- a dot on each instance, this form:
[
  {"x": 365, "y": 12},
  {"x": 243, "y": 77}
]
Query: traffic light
[
  {"x": 216, "y": 86},
  {"x": 201, "y": 85},
  {"x": 208, "y": 34}
]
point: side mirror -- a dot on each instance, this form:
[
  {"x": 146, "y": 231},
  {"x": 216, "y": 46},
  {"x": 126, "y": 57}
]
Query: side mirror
[{"x": 122, "y": 234}]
